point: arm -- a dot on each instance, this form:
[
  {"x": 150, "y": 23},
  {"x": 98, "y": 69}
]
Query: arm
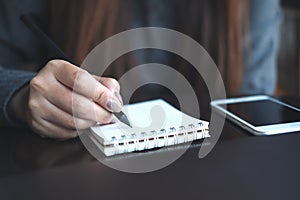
[
  {"x": 20, "y": 52},
  {"x": 44, "y": 100},
  {"x": 11, "y": 81}
]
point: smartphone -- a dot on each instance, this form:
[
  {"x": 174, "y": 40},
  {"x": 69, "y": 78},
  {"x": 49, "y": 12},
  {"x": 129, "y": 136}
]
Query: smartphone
[{"x": 260, "y": 114}]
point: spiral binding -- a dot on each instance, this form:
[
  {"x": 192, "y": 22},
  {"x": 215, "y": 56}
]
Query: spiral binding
[{"x": 161, "y": 138}]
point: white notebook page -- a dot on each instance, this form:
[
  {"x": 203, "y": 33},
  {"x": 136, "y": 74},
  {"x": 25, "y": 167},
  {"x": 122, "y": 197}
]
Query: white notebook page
[{"x": 144, "y": 118}]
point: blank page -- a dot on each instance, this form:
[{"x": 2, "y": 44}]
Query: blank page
[{"x": 145, "y": 117}]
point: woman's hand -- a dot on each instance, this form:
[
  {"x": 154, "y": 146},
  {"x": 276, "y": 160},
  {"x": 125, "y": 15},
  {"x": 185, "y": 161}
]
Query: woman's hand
[{"x": 61, "y": 86}]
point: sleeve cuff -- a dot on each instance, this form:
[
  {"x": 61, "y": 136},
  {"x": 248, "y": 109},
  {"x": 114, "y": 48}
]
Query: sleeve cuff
[{"x": 10, "y": 82}]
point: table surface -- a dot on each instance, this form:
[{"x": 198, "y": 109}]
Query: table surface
[{"x": 240, "y": 166}]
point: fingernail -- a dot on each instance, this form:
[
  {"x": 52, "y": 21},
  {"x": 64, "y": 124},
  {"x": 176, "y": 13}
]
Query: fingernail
[
  {"x": 118, "y": 96},
  {"x": 114, "y": 105}
]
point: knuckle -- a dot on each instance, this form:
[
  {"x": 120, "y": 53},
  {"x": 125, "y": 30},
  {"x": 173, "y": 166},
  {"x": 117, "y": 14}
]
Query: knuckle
[
  {"x": 33, "y": 105},
  {"x": 37, "y": 84},
  {"x": 52, "y": 64},
  {"x": 99, "y": 95},
  {"x": 80, "y": 73},
  {"x": 56, "y": 63},
  {"x": 113, "y": 83}
]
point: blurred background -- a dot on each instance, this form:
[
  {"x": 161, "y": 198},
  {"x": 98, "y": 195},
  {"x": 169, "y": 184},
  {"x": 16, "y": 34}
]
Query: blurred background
[
  {"x": 289, "y": 53},
  {"x": 219, "y": 26},
  {"x": 288, "y": 82}
]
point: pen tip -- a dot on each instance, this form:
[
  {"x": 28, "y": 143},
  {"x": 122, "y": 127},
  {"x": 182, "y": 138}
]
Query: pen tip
[
  {"x": 126, "y": 121},
  {"x": 123, "y": 118}
]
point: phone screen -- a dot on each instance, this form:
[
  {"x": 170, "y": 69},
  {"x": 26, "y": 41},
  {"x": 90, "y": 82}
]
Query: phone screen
[{"x": 264, "y": 112}]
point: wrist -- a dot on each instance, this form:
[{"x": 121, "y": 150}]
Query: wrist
[{"x": 17, "y": 105}]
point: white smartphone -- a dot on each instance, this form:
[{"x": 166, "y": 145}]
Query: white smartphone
[{"x": 261, "y": 115}]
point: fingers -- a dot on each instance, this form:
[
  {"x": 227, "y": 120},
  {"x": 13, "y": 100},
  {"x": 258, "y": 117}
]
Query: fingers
[
  {"x": 63, "y": 98},
  {"x": 59, "y": 117},
  {"x": 85, "y": 84},
  {"x": 48, "y": 129},
  {"x": 112, "y": 85},
  {"x": 54, "y": 122}
]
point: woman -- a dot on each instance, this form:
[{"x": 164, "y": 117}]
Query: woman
[{"x": 222, "y": 27}]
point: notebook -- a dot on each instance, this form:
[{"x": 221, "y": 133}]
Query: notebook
[{"x": 154, "y": 123}]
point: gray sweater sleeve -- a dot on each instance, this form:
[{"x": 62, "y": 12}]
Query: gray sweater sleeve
[
  {"x": 10, "y": 82},
  {"x": 20, "y": 51}
]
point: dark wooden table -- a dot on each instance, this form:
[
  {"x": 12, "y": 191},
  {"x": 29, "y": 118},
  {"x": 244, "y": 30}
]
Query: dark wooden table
[{"x": 240, "y": 166}]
